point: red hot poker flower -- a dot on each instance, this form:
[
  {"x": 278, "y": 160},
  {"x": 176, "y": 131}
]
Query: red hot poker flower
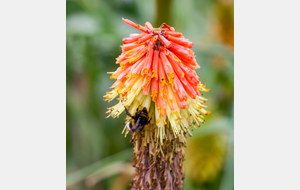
[
  {"x": 157, "y": 73},
  {"x": 159, "y": 63}
]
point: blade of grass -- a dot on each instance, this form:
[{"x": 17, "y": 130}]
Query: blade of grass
[{"x": 81, "y": 174}]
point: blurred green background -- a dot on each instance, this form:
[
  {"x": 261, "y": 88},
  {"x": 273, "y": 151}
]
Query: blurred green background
[{"x": 98, "y": 155}]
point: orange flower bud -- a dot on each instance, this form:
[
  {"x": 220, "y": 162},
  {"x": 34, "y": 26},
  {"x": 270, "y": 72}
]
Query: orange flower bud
[{"x": 171, "y": 33}]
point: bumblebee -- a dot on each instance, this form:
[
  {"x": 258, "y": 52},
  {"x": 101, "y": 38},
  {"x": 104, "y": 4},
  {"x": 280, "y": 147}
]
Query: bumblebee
[{"x": 139, "y": 121}]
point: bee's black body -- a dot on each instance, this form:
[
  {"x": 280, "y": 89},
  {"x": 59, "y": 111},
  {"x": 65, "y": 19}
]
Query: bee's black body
[{"x": 139, "y": 121}]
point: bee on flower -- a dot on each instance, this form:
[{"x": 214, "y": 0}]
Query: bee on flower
[{"x": 158, "y": 89}]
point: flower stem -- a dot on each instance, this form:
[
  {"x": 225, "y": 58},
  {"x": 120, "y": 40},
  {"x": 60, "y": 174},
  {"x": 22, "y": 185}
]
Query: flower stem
[{"x": 163, "y": 9}]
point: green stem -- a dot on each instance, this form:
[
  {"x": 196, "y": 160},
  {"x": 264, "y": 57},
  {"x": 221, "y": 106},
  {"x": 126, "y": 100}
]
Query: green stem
[{"x": 163, "y": 14}]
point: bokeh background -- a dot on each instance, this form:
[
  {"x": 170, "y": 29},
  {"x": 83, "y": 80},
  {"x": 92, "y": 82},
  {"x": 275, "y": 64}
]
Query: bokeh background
[{"x": 98, "y": 155}]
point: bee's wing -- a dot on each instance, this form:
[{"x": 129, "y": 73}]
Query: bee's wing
[
  {"x": 136, "y": 124},
  {"x": 128, "y": 125}
]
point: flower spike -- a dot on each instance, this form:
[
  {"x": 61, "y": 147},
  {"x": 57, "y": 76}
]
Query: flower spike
[{"x": 157, "y": 80}]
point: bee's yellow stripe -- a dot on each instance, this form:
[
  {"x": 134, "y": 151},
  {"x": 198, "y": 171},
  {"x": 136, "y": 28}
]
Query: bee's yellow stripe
[{"x": 146, "y": 116}]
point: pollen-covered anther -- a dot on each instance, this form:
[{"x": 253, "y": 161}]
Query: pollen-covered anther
[
  {"x": 157, "y": 121},
  {"x": 154, "y": 74},
  {"x": 163, "y": 82},
  {"x": 207, "y": 113},
  {"x": 145, "y": 71},
  {"x": 171, "y": 78},
  {"x": 128, "y": 75},
  {"x": 134, "y": 75},
  {"x": 154, "y": 95}
]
